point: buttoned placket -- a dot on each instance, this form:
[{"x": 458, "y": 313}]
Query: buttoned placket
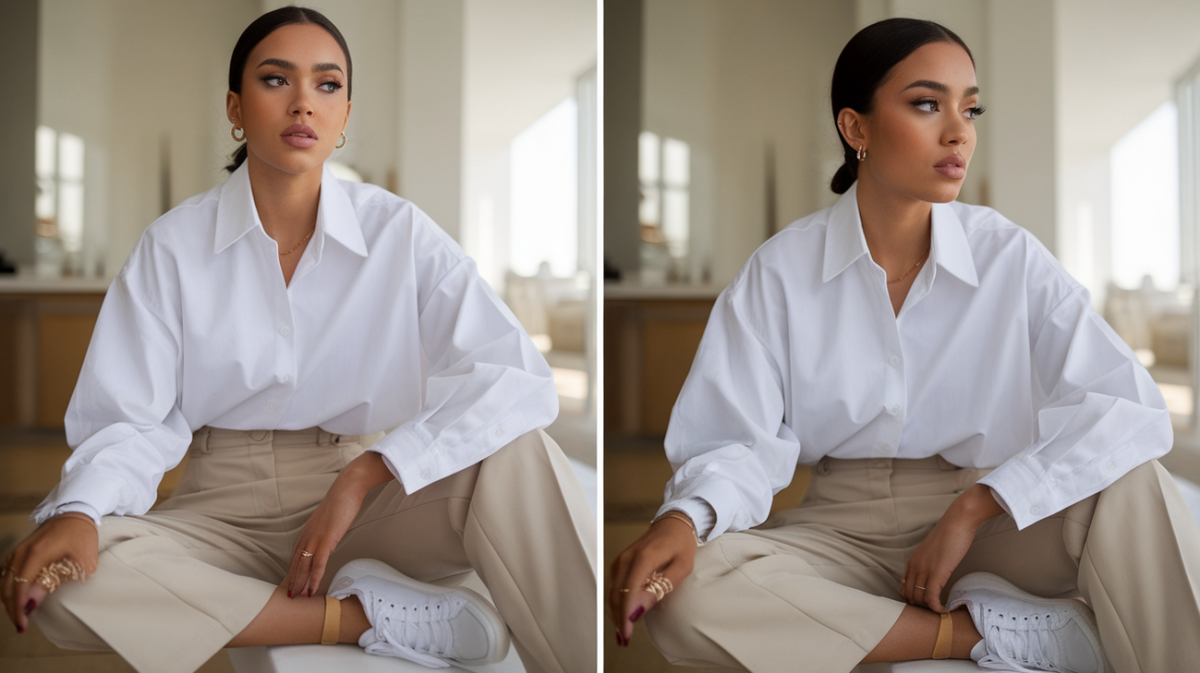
[{"x": 283, "y": 325}]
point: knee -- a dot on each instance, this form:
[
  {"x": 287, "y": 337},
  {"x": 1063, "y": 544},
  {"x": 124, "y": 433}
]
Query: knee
[{"x": 63, "y": 628}]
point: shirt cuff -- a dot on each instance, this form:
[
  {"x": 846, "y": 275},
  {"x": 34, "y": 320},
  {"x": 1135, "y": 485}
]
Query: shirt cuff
[
  {"x": 703, "y": 516},
  {"x": 80, "y": 507}
]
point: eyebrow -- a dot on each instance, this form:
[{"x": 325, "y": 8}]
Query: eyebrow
[
  {"x": 939, "y": 87},
  {"x": 288, "y": 65}
]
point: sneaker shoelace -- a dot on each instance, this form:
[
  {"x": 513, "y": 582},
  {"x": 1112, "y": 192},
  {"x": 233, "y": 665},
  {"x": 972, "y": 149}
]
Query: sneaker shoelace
[
  {"x": 421, "y": 629},
  {"x": 1019, "y": 642}
]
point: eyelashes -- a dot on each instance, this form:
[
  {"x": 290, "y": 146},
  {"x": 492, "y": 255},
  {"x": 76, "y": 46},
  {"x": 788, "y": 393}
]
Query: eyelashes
[
  {"x": 931, "y": 105},
  {"x": 276, "y": 81}
]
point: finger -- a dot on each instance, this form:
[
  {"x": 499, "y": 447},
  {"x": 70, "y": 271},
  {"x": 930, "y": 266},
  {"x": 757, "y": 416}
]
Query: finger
[
  {"x": 317, "y": 570},
  {"x": 633, "y": 603},
  {"x": 303, "y": 561},
  {"x": 933, "y": 596},
  {"x": 919, "y": 590},
  {"x": 616, "y": 585}
]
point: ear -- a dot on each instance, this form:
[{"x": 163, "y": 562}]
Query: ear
[
  {"x": 233, "y": 108},
  {"x": 852, "y": 125},
  {"x": 347, "y": 121}
]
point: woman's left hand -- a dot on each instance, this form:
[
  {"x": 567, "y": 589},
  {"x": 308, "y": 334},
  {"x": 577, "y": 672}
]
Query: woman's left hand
[
  {"x": 331, "y": 520},
  {"x": 930, "y": 566}
]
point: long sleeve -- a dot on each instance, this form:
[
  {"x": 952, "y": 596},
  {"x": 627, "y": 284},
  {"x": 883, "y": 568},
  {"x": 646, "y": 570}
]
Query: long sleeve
[
  {"x": 485, "y": 383},
  {"x": 123, "y": 422},
  {"x": 1098, "y": 416},
  {"x": 727, "y": 439}
]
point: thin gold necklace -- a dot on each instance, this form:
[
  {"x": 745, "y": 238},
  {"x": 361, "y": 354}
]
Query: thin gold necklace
[
  {"x": 302, "y": 242},
  {"x": 915, "y": 266}
]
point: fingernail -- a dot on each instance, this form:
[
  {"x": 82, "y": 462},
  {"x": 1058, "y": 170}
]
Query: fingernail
[
  {"x": 310, "y": 593},
  {"x": 618, "y": 638},
  {"x": 637, "y": 614},
  {"x": 30, "y": 606},
  {"x": 20, "y": 630}
]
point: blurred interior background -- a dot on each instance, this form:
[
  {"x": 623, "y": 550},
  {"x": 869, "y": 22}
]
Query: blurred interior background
[
  {"x": 482, "y": 112},
  {"x": 718, "y": 133}
]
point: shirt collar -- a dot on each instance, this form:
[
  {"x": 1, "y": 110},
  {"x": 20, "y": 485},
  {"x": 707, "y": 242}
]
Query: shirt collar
[
  {"x": 845, "y": 243},
  {"x": 336, "y": 217}
]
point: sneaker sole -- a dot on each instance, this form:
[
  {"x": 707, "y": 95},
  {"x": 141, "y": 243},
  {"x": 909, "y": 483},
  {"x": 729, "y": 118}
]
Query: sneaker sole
[
  {"x": 477, "y": 605},
  {"x": 984, "y": 581}
]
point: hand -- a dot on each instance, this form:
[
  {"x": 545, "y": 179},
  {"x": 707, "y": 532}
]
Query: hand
[
  {"x": 332, "y": 518},
  {"x": 668, "y": 547},
  {"x": 69, "y": 535},
  {"x": 935, "y": 559}
]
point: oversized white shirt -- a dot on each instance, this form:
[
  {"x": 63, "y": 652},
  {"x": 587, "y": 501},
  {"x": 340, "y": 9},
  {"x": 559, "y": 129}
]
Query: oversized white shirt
[
  {"x": 386, "y": 324},
  {"x": 996, "y": 360}
]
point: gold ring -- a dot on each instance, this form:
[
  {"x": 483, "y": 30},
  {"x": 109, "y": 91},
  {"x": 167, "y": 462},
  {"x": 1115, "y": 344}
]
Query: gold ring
[
  {"x": 658, "y": 585},
  {"x": 917, "y": 587},
  {"x": 624, "y": 591},
  {"x": 305, "y": 553},
  {"x": 20, "y": 579}
]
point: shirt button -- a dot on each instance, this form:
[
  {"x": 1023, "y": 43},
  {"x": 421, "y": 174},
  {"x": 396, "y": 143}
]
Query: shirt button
[
  {"x": 1111, "y": 465},
  {"x": 1035, "y": 510},
  {"x": 285, "y": 330},
  {"x": 894, "y": 360},
  {"x": 894, "y": 410},
  {"x": 424, "y": 474},
  {"x": 885, "y": 447},
  {"x": 499, "y": 432},
  {"x": 285, "y": 378},
  {"x": 271, "y": 406}
]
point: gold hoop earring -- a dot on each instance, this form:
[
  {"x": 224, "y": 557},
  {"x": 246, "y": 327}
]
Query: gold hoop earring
[
  {"x": 233, "y": 132},
  {"x": 341, "y": 144},
  {"x": 861, "y": 154}
]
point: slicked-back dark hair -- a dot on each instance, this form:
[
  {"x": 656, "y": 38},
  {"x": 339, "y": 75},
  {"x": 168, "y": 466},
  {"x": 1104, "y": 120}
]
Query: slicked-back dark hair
[
  {"x": 864, "y": 64},
  {"x": 257, "y": 31}
]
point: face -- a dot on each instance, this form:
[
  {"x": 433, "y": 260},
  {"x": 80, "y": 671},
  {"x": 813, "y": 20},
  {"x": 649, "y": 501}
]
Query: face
[
  {"x": 920, "y": 133},
  {"x": 293, "y": 105}
]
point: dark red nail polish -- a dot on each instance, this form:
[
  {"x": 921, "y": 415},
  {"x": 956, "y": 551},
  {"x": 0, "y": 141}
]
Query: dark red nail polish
[
  {"x": 637, "y": 614},
  {"x": 289, "y": 593},
  {"x": 618, "y": 638},
  {"x": 310, "y": 593},
  {"x": 30, "y": 606},
  {"x": 20, "y": 630}
]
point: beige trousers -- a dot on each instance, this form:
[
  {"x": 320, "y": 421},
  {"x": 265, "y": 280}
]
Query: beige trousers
[
  {"x": 174, "y": 586},
  {"x": 817, "y": 587}
]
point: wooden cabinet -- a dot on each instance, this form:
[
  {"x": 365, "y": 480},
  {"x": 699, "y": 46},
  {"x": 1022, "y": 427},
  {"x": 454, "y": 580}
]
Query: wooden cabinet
[
  {"x": 43, "y": 339},
  {"x": 649, "y": 345}
]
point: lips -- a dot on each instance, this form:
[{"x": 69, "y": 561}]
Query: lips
[
  {"x": 953, "y": 166},
  {"x": 299, "y": 135}
]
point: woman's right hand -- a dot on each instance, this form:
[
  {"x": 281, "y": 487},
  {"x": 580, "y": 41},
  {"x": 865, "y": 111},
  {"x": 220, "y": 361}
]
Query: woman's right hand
[
  {"x": 69, "y": 535},
  {"x": 669, "y": 547}
]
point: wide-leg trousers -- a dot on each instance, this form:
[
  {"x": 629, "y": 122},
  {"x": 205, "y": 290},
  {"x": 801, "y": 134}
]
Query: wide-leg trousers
[
  {"x": 817, "y": 587},
  {"x": 175, "y": 585}
]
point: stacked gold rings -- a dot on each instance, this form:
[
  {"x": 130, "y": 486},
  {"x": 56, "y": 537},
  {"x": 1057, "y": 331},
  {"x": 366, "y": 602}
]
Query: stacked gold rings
[
  {"x": 658, "y": 585},
  {"x": 58, "y": 572}
]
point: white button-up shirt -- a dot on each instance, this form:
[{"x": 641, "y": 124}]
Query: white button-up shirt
[
  {"x": 386, "y": 324},
  {"x": 996, "y": 360}
]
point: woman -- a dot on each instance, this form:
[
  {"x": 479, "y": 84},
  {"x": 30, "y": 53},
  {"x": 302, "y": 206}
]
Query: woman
[
  {"x": 274, "y": 326},
  {"x": 983, "y": 444}
]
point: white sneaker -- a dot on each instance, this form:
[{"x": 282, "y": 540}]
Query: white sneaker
[
  {"x": 1028, "y": 633},
  {"x": 421, "y": 622}
]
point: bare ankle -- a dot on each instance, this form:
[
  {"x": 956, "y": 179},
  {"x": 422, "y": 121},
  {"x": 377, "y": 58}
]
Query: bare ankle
[
  {"x": 965, "y": 635},
  {"x": 354, "y": 620}
]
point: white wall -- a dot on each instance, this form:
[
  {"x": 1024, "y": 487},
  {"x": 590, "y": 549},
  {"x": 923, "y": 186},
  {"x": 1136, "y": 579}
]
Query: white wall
[
  {"x": 143, "y": 83},
  {"x": 733, "y": 80}
]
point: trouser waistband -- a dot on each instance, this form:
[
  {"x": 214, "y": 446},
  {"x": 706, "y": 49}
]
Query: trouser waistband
[{"x": 208, "y": 439}]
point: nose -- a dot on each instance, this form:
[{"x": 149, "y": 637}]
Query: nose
[
  {"x": 301, "y": 106},
  {"x": 958, "y": 131}
]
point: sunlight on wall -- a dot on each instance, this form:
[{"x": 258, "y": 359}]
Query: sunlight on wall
[
  {"x": 1145, "y": 202},
  {"x": 544, "y": 194}
]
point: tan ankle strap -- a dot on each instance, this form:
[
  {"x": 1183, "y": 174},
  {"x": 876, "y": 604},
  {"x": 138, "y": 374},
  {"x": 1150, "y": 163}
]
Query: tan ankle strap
[
  {"x": 333, "y": 621},
  {"x": 945, "y": 639}
]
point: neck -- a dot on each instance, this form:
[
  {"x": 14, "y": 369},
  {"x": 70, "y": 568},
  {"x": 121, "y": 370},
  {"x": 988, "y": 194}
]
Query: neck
[
  {"x": 898, "y": 229},
  {"x": 286, "y": 203}
]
